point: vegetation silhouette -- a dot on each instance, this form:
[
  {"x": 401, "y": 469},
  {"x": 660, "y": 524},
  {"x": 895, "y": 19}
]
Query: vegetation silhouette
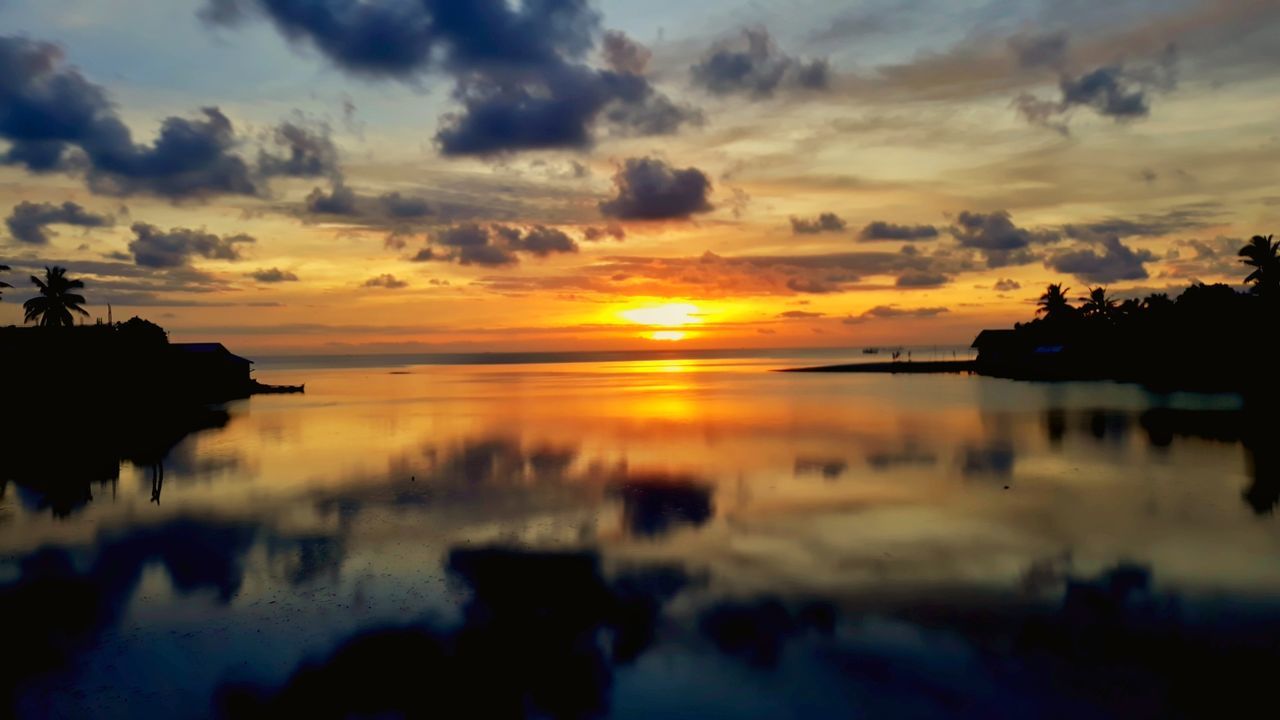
[
  {"x": 1207, "y": 338},
  {"x": 3, "y": 284},
  {"x": 1263, "y": 255},
  {"x": 1097, "y": 304},
  {"x": 1053, "y": 304},
  {"x": 56, "y": 301}
]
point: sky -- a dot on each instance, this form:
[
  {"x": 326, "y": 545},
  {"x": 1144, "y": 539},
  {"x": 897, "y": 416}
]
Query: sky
[{"x": 347, "y": 176}]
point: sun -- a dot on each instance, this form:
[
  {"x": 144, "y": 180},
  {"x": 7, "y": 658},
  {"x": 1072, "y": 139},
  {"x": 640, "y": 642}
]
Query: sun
[{"x": 669, "y": 315}]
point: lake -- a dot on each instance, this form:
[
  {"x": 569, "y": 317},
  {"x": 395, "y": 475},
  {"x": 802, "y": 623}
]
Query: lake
[{"x": 652, "y": 537}]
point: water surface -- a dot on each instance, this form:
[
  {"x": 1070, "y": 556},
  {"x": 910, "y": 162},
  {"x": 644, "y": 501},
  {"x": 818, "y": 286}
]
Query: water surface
[{"x": 654, "y": 537}]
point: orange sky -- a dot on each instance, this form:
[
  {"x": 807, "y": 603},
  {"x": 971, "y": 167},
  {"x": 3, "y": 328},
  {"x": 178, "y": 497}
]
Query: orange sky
[{"x": 965, "y": 160}]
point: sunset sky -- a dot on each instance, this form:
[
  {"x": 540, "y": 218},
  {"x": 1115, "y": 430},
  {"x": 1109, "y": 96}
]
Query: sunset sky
[{"x": 435, "y": 175}]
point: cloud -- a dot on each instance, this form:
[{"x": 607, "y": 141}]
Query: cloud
[
  {"x": 1040, "y": 50},
  {"x": 1004, "y": 285},
  {"x": 995, "y": 235},
  {"x": 400, "y": 206},
  {"x": 711, "y": 275},
  {"x": 881, "y": 312},
  {"x": 520, "y": 70},
  {"x": 273, "y": 275},
  {"x": 340, "y": 200},
  {"x": 753, "y": 65},
  {"x": 29, "y": 221},
  {"x": 1180, "y": 219},
  {"x": 385, "y": 281},
  {"x": 1117, "y": 91},
  {"x": 494, "y": 245},
  {"x": 800, "y": 314},
  {"x": 56, "y": 120},
  {"x": 596, "y": 234},
  {"x": 921, "y": 279},
  {"x": 300, "y": 151},
  {"x": 880, "y": 230},
  {"x": 825, "y": 222},
  {"x": 650, "y": 189},
  {"x": 391, "y": 209},
  {"x": 624, "y": 55},
  {"x": 543, "y": 241},
  {"x": 1116, "y": 262},
  {"x": 1196, "y": 259},
  {"x": 154, "y": 248}
]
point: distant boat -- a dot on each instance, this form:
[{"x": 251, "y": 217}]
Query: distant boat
[{"x": 870, "y": 351}]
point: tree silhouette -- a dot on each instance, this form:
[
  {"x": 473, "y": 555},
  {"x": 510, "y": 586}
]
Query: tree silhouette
[
  {"x": 55, "y": 303},
  {"x": 1157, "y": 302},
  {"x": 1053, "y": 303},
  {"x": 3, "y": 284},
  {"x": 1097, "y": 304},
  {"x": 1261, "y": 255}
]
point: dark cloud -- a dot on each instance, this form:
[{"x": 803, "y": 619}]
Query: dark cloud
[
  {"x": 1005, "y": 285},
  {"x": 1118, "y": 91},
  {"x": 494, "y": 245},
  {"x": 624, "y": 55},
  {"x": 650, "y": 189},
  {"x": 340, "y": 200},
  {"x": 880, "y": 230},
  {"x": 29, "y": 221},
  {"x": 401, "y": 206},
  {"x": 558, "y": 110},
  {"x": 800, "y": 314},
  {"x": 385, "y": 281},
  {"x": 596, "y": 234},
  {"x": 752, "y": 64},
  {"x": 1181, "y": 219},
  {"x": 392, "y": 210},
  {"x": 825, "y": 222},
  {"x": 1115, "y": 262},
  {"x": 1040, "y": 50},
  {"x": 543, "y": 241},
  {"x": 300, "y": 151},
  {"x": 273, "y": 275},
  {"x": 56, "y": 120},
  {"x": 1196, "y": 259},
  {"x": 995, "y": 235},
  {"x": 921, "y": 279},
  {"x": 520, "y": 69},
  {"x": 155, "y": 248},
  {"x": 893, "y": 311}
]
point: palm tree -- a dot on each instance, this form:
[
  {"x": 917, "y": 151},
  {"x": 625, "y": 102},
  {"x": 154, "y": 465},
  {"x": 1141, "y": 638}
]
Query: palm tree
[
  {"x": 1097, "y": 304},
  {"x": 3, "y": 284},
  {"x": 1053, "y": 303},
  {"x": 1157, "y": 302},
  {"x": 55, "y": 303},
  {"x": 1261, "y": 254}
]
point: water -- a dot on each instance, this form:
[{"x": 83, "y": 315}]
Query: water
[{"x": 657, "y": 537}]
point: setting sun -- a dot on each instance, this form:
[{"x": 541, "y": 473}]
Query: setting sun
[{"x": 669, "y": 315}]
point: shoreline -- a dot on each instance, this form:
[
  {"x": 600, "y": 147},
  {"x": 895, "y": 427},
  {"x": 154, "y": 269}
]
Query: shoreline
[{"x": 909, "y": 367}]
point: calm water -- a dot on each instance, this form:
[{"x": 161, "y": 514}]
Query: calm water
[{"x": 654, "y": 538}]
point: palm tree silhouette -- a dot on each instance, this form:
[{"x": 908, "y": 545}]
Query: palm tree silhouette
[
  {"x": 1261, "y": 254},
  {"x": 55, "y": 303},
  {"x": 3, "y": 284},
  {"x": 1053, "y": 303},
  {"x": 1097, "y": 304}
]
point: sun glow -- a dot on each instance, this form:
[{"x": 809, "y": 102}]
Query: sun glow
[
  {"x": 667, "y": 335},
  {"x": 669, "y": 315}
]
